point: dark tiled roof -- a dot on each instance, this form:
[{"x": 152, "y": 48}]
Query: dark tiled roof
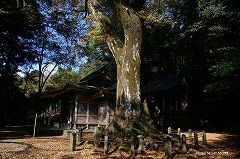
[
  {"x": 68, "y": 88},
  {"x": 93, "y": 75},
  {"x": 87, "y": 84},
  {"x": 162, "y": 83}
]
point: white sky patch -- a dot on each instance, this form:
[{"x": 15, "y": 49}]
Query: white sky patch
[
  {"x": 49, "y": 69},
  {"x": 20, "y": 74}
]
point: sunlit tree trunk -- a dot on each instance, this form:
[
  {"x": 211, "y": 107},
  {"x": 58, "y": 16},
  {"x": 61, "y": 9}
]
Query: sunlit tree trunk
[{"x": 126, "y": 52}]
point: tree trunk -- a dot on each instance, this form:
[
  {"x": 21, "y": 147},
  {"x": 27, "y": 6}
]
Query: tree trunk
[
  {"x": 128, "y": 102},
  {"x": 126, "y": 52}
]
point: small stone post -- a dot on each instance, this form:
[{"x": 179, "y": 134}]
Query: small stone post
[
  {"x": 184, "y": 144},
  {"x": 169, "y": 130},
  {"x": 105, "y": 146},
  {"x": 168, "y": 148},
  {"x": 179, "y": 132},
  {"x": 196, "y": 139},
  {"x": 133, "y": 154},
  {"x": 96, "y": 138},
  {"x": 190, "y": 135},
  {"x": 204, "y": 138},
  {"x": 73, "y": 141},
  {"x": 141, "y": 144}
]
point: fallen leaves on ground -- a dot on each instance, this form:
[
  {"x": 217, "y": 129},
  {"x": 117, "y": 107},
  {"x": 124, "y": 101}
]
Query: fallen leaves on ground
[{"x": 220, "y": 146}]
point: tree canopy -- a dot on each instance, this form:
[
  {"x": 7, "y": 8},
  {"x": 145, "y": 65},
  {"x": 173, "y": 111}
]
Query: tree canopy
[
  {"x": 18, "y": 24},
  {"x": 198, "y": 38}
]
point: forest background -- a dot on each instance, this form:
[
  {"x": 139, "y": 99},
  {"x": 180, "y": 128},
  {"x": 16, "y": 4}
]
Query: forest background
[{"x": 45, "y": 45}]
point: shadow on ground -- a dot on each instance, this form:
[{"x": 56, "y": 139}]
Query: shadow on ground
[
  {"x": 230, "y": 143},
  {"x": 23, "y": 131}
]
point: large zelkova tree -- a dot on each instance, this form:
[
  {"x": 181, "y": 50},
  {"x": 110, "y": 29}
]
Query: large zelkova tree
[{"x": 121, "y": 25}]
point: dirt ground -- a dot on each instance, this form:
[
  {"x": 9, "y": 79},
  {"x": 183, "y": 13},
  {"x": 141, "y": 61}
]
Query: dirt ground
[{"x": 220, "y": 146}]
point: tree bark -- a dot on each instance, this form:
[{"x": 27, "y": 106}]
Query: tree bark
[
  {"x": 128, "y": 61},
  {"x": 126, "y": 52}
]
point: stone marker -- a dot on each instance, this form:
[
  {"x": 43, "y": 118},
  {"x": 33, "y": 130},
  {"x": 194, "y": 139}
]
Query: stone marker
[
  {"x": 179, "y": 132},
  {"x": 141, "y": 144},
  {"x": 176, "y": 139},
  {"x": 184, "y": 144},
  {"x": 96, "y": 138},
  {"x": 133, "y": 154},
  {"x": 105, "y": 146},
  {"x": 196, "y": 139},
  {"x": 168, "y": 148},
  {"x": 190, "y": 135},
  {"x": 204, "y": 138},
  {"x": 73, "y": 141},
  {"x": 169, "y": 130}
]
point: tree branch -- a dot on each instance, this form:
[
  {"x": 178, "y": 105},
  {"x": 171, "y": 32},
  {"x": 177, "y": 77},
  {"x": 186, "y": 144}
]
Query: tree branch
[
  {"x": 47, "y": 77},
  {"x": 114, "y": 42}
]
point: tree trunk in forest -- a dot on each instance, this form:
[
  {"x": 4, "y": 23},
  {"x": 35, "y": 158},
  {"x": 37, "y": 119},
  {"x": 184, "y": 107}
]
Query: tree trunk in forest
[
  {"x": 126, "y": 52},
  {"x": 128, "y": 61}
]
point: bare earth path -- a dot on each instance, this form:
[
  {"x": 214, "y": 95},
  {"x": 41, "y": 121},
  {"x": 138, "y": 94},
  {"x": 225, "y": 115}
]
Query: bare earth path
[{"x": 220, "y": 146}]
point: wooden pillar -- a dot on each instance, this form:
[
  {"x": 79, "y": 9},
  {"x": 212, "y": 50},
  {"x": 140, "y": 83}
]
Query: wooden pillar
[
  {"x": 168, "y": 148},
  {"x": 176, "y": 103},
  {"x": 162, "y": 124},
  {"x": 80, "y": 135},
  {"x": 184, "y": 144},
  {"x": 70, "y": 115},
  {"x": 163, "y": 104},
  {"x": 108, "y": 115},
  {"x": 35, "y": 124},
  {"x": 75, "y": 112},
  {"x": 49, "y": 115},
  {"x": 169, "y": 107},
  {"x": 44, "y": 118},
  {"x": 204, "y": 138},
  {"x": 88, "y": 107}
]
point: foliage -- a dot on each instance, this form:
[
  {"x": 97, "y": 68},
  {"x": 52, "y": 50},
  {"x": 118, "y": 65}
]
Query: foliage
[
  {"x": 58, "y": 44},
  {"x": 162, "y": 42},
  {"x": 18, "y": 24},
  {"x": 216, "y": 36},
  {"x": 197, "y": 37},
  {"x": 62, "y": 77},
  {"x": 92, "y": 66},
  {"x": 29, "y": 83},
  {"x": 96, "y": 48}
]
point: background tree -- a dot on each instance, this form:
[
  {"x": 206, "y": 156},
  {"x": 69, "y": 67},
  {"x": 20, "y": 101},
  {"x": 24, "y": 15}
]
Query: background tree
[
  {"x": 62, "y": 77},
  {"x": 19, "y": 23},
  {"x": 57, "y": 45},
  {"x": 212, "y": 41}
]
